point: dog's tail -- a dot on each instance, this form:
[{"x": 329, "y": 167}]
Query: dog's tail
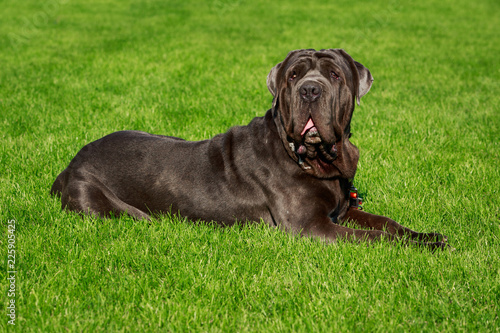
[{"x": 58, "y": 185}]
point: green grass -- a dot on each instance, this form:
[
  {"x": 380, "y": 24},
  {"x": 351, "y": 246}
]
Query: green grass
[{"x": 428, "y": 133}]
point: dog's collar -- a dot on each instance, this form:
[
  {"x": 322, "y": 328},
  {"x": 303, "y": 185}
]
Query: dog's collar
[{"x": 354, "y": 200}]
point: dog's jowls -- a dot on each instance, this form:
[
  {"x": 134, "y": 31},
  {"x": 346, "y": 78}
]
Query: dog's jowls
[{"x": 291, "y": 168}]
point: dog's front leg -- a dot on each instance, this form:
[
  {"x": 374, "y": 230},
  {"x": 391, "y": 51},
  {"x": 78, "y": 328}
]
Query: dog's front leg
[
  {"x": 329, "y": 231},
  {"x": 378, "y": 222}
]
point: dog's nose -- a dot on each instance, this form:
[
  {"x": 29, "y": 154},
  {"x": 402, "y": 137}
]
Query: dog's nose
[{"x": 310, "y": 91}]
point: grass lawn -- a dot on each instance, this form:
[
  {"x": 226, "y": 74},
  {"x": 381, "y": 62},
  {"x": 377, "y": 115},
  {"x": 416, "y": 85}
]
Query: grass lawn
[{"x": 428, "y": 132}]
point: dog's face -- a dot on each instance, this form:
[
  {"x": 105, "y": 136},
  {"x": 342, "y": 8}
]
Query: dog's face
[{"x": 314, "y": 96}]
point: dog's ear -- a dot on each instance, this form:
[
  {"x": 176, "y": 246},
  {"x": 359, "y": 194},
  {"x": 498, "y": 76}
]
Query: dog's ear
[
  {"x": 364, "y": 76},
  {"x": 365, "y": 81},
  {"x": 272, "y": 78}
]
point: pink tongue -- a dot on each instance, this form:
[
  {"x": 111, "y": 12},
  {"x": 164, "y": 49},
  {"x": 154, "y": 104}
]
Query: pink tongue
[{"x": 309, "y": 125}]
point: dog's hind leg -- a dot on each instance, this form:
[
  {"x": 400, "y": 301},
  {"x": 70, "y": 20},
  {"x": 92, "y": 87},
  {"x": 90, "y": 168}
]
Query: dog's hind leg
[
  {"x": 86, "y": 194},
  {"x": 58, "y": 184}
]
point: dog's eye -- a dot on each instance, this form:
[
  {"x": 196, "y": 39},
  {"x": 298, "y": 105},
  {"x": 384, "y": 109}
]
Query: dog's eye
[
  {"x": 334, "y": 75},
  {"x": 293, "y": 76}
]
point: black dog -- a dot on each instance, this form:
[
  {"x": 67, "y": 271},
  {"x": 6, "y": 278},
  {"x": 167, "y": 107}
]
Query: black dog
[{"x": 292, "y": 168}]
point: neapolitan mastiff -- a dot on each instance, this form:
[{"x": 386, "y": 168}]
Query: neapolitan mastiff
[{"x": 292, "y": 168}]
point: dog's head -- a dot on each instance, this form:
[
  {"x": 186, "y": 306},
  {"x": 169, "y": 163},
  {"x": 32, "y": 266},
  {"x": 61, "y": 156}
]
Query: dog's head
[{"x": 314, "y": 97}]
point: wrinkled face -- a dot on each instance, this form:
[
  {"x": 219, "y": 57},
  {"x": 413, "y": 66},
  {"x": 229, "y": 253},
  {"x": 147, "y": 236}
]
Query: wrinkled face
[{"x": 315, "y": 93}]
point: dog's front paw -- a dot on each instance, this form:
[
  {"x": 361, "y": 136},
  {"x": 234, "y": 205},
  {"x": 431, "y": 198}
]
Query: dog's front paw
[
  {"x": 433, "y": 246},
  {"x": 432, "y": 237}
]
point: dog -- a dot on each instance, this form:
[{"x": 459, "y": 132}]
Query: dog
[{"x": 293, "y": 168}]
